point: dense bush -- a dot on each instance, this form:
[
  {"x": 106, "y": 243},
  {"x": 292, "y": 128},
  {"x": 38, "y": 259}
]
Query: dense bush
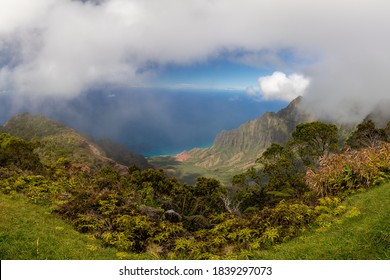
[
  {"x": 350, "y": 170},
  {"x": 18, "y": 152},
  {"x": 108, "y": 206}
]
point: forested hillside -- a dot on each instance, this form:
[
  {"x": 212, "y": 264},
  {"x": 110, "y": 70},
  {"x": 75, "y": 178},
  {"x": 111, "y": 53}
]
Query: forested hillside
[{"x": 59, "y": 143}]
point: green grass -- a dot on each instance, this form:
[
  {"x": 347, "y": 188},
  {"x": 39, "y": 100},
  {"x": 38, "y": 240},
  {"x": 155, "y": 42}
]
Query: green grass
[
  {"x": 30, "y": 232},
  {"x": 363, "y": 233}
]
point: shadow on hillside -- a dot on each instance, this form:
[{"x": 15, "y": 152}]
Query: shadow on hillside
[
  {"x": 174, "y": 168},
  {"x": 189, "y": 178},
  {"x": 164, "y": 162}
]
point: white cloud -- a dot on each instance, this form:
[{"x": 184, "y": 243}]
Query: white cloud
[
  {"x": 279, "y": 86},
  {"x": 20, "y": 14},
  {"x": 69, "y": 48},
  {"x": 64, "y": 47}
]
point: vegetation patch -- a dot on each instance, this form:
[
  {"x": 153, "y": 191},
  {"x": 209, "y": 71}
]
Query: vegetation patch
[
  {"x": 362, "y": 232},
  {"x": 30, "y": 232}
]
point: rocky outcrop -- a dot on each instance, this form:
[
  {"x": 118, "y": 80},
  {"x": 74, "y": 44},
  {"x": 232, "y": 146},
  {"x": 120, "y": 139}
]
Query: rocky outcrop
[
  {"x": 183, "y": 156},
  {"x": 172, "y": 216}
]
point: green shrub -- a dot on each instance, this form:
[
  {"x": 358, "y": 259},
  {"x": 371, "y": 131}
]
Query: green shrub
[
  {"x": 350, "y": 171},
  {"x": 18, "y": 152}
]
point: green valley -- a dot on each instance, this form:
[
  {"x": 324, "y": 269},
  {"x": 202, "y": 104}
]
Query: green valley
[{"x": 310, "y": 191}]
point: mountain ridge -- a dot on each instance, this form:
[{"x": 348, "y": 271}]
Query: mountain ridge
[
  {"x": 60, "y": 142},
  {"x": 241, "y": 146},
  {"x": 235, "y": 151}
]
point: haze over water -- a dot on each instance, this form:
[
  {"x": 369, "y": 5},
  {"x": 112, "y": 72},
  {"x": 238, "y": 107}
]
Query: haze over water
[{"x": 152, "y": 122}]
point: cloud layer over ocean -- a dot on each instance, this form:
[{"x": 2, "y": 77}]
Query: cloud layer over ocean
[{"x": 63, "y": 48}]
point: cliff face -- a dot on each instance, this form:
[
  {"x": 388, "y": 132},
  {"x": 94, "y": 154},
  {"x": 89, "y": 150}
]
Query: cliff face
[{"x": 238, "y": 149}]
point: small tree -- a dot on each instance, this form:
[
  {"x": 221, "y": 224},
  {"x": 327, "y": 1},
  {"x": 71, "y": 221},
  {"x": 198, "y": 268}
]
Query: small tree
[
  {"x": 283, "y": 171},
  {"x": 207, "y": 196},
  {"x": 249, "y": 189},
  {"x": 314, "y": 140},
  {"x": 366, "y": 135}
]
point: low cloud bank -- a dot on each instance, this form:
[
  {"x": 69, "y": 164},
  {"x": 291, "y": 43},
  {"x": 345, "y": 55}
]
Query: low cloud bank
[{"x": 64, "y": 48}]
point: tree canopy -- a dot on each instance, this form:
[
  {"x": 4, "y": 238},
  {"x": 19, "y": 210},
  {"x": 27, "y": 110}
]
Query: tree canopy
[
  {"x": 314, "y": 140},
  {"x": 18, "y": 152},
  {"x": 366, "y": 135}
]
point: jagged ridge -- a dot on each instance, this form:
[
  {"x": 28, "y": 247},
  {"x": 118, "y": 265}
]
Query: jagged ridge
[{"x": 239, "y": 148}]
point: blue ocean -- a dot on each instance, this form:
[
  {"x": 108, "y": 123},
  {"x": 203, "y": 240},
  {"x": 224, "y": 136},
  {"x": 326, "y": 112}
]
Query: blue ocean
[{"x": 151, "y": 121}]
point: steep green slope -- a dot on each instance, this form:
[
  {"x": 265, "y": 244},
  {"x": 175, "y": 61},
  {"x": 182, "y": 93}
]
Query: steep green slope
[
  {"x": 241, "y": 146},
  {"x": 30, "y": 232},
  {"x": 122, "y": 154},
  {"x": 58, "y": 141},
  {"x": 363, "y": 232}
]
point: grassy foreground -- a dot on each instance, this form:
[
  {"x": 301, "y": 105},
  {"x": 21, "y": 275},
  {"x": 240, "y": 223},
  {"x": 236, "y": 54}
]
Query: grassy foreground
[
  {"x": 363, "y": 232},
  {"x": 30, "y": 232}
]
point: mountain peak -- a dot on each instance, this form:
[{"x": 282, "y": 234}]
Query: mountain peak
[
  {"x": 292, "y": 108},
  {"x": 296, "y": 102}
]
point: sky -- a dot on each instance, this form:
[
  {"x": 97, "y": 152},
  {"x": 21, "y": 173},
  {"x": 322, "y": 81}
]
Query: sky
[{"x": 334, "y": 53}]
